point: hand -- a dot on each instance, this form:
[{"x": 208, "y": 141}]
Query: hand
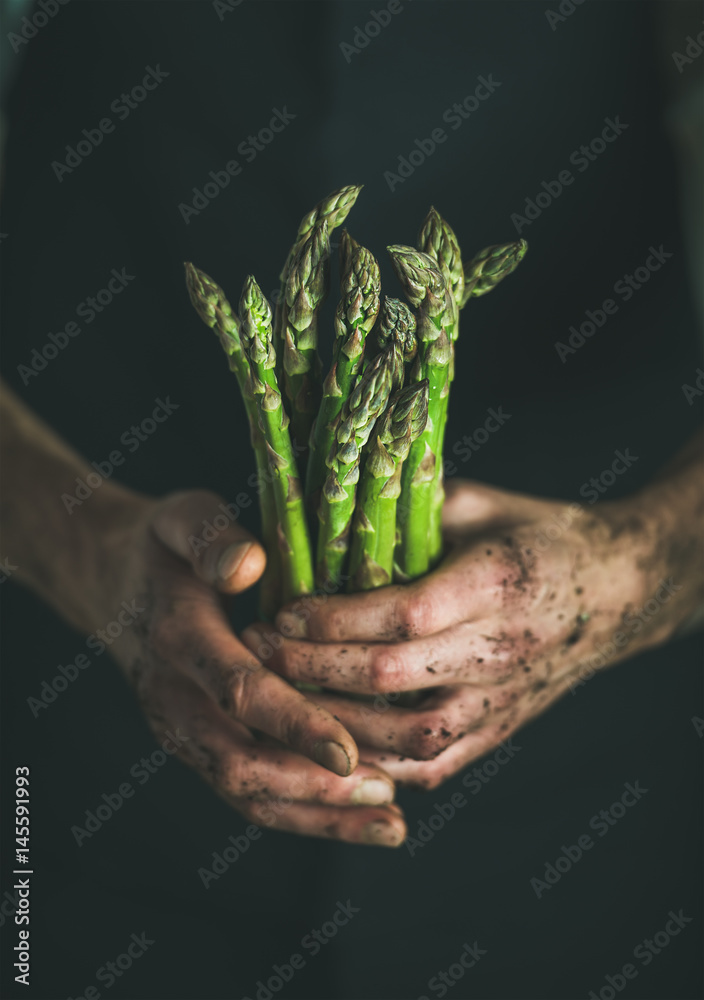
[
  {"x": 276, "y": 757},
  {"x": 533, "y": 597}
]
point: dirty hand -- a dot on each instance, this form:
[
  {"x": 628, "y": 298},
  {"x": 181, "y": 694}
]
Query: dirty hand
[
  {"x": 533, "y": 597},
  {"x": 265, "y": 748}
]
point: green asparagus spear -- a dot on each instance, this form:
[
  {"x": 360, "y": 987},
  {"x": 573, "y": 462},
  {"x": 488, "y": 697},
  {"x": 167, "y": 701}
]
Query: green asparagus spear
[
  {"x": 374, "y": 527},
  {"x": 306, "y": 289},
  {"x": 294, "y": 542},
  {"x": 210, "y": 303},
  {"x": 438, "y": 240},
  {"x": 397, "y": 324},
  {"x": 490, "y": 266},
  {"x": 353, "y": 428},
  {"x": 334, "y": 209},
  {"x": 356, "y": 313},
  {"x": 426, "y": 288}
]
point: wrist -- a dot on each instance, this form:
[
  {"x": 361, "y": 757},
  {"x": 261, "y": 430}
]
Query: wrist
[
  {"x": 90, "y": 566},
  {"x": 116, "y": 533},
  {"x": 661, "y": 535}
]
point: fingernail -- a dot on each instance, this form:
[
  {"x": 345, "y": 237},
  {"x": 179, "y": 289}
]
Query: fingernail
[
  {"x": 291, "y": 626},
  {"x": 333, "y": 756},
  {"x": 372, "y": 792},
  {"x": 381, "y": 833},
  {"x": 231, "y": 559}
]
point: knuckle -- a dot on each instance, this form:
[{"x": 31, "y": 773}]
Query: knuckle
[
  {"x": 269, "y": 648},
  {"x": 416, "y": 614},
  {"x": 427, "y": 778},
  {"x": 386, "y": 670},
  {"x": 432, "y": 782},
  {"x": 293, "y": 730},
  {"x": 332, "y": 622},
  {"x": 231, "y": 778},
  {"x": 238, "y": 688},
  {"x": 429, "y": 738}
]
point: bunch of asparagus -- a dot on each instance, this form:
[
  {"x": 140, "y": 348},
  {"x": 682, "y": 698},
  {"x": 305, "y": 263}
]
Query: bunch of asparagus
[{"x": 349, "y": 465}]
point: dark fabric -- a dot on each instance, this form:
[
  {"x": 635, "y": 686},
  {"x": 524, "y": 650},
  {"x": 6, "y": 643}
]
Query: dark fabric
[{"x": 355, "y": 115}]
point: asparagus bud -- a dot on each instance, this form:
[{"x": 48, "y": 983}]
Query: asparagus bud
[
  {"x": 490, "y": 266},
  {"x": 334, "y": 210},
  {"x": 438, "y": 240},
  {"x": 398, "y": 325}
]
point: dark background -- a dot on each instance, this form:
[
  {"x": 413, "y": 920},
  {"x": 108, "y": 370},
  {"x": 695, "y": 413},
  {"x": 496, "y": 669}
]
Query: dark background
[{"x": 118, "y": 209}]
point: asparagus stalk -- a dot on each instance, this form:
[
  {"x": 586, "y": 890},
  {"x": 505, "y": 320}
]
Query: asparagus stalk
[
  {"x": 306, "y": 289},
  {"x": 438, "y": 240},
  {"x": 355, "y": 316},
  {"x": 294, "y": 542},
  {"x": 353, "y": 428},
  {"x": 426, "y": 288},
  {"x": 374, "y": 527},
  {"x": 490, "y": 266},
  {"x": 334, "y": 209},
  {"x": 209, "y": 301}
]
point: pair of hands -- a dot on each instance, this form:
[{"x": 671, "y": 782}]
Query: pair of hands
[{"x": 532, "y": 598}]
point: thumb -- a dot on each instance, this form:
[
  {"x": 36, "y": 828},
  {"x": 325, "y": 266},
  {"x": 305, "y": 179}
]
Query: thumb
[{"x": 197, "y": 526}]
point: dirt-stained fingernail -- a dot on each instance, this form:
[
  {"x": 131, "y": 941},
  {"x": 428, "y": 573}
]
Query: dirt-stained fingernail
[
  {"x": 382, "y": 834},
  {"x": 291, "y": 626},
  {"x": 231, "y": 559},
  {"x": 333, "y": 757},
  {"x": 372, "y": 792}
]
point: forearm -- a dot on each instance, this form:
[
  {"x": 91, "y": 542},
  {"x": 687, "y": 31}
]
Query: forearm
[
  {"x": 671, "y": 508},
  {"x": 57, "y": 553}
]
